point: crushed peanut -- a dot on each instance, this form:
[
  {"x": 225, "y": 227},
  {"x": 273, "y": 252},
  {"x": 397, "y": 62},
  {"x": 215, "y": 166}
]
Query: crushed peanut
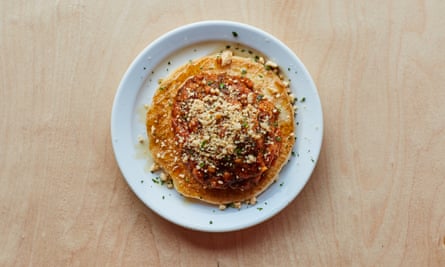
[
  {"x": 271, "y": 64},
  {"x": 164, "y": 177},
  {"x": 237, "y": 205},
  {"x": 155, "y": 167},
  {"x": 226, "y": 58}
]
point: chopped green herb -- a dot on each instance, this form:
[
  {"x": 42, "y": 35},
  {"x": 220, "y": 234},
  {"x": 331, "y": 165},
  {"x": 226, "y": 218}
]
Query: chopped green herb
[
  {"x": 155, "y": 181},
  {"x": 244, "y": 124},
  {"x": 278, "y": 138},
  {"x": 238, "y": 151},
  {"x": 221, "y": 85},
  {"x": 250, "y": 52},
  {"x": 169, "y": 63},
  {"x": 293, "y": 154},
  {"x": 275, "y": 123},
  {"x": 163, "y": 197},
  {"x": 281, "y": 184},
  {"x": 227, "y": 46},
  {"x": 243, "y": 71},
  {"x": 267, "y": 67},
  {"x": 209, "y": 82},
  {"x": 259, "y": 97},
  {"x": 203, "y": 143},
  {"x": 210, "y": 222},
  {"x": 257, "y": 58},
  {"x": 235, "y": 34},
  {"x": 303, "y": 99},
  {"x": 261, "y": 76},
  {"x": 288, "y": 69},
  {"x": 260, "y": 209},
  {"x": 201, "y": 164},
  {"x": 161, "y": 88},
  {"x": 243, "y": 50},
  {"x": 142, "y": 181}
]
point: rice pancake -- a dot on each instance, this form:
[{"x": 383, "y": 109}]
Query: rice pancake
[{"x": 221, "y": 129}]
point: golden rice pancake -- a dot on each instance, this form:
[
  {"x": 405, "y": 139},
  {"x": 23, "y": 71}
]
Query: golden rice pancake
[{"x": 222, "y": 127}]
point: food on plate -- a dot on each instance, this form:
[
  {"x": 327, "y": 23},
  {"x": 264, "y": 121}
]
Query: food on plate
[{"x": 221, "y": 127}]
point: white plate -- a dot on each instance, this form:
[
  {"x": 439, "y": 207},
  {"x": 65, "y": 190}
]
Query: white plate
[{"x": 137, "y": 87}]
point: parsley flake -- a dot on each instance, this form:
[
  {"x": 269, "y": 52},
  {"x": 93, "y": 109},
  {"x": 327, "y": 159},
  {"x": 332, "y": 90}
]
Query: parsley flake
[{"x": 203, "y": 143}]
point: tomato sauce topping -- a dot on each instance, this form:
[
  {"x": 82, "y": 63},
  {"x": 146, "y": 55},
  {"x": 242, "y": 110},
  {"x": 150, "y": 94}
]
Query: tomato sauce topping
[{"x": 227, "y": 132}]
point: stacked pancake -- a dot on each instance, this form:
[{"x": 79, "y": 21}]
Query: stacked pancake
[{"x": 221, "y": 127}]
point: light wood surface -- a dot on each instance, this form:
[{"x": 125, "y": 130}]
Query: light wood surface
[{"x": 376, "y": 198}]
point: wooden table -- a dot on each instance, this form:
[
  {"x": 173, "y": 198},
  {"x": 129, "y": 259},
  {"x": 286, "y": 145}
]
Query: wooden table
[{"x": 376, "y": 198}]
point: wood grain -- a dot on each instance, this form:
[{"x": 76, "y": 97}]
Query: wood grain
[{"x": 376, "y": 198}]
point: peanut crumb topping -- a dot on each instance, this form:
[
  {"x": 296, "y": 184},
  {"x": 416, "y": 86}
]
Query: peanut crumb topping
[{"x": 227, "y": 132}]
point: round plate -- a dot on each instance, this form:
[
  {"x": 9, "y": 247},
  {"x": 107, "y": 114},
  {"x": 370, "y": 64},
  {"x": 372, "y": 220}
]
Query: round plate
[{"x": 137, "y": 87}]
